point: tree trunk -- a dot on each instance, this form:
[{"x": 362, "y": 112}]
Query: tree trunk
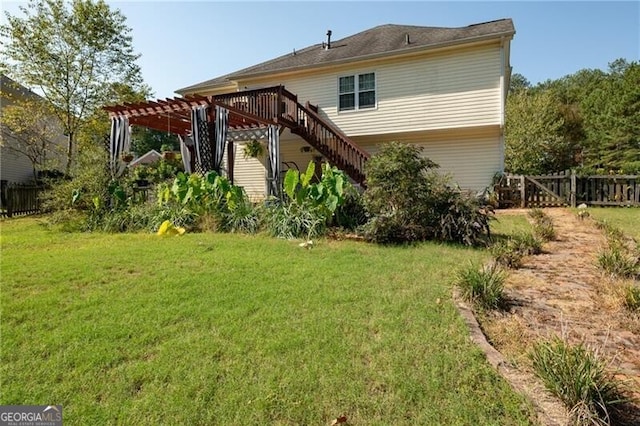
[{"x": 70, "y": 142}]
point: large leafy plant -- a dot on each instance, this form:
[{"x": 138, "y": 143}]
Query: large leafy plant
[
  {"x": 201, "y": 193},
  {"x": 212, "y": 195},
  {"x": 325, "y": 196},
  {"x": 309, "y": 207}
]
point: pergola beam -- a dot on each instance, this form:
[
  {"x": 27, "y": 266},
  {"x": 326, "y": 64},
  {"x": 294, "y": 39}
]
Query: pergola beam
[{"x": 174, "y": 114}]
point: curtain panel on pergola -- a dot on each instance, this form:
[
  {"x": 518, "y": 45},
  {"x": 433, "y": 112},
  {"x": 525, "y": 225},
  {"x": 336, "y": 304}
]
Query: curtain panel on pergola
[
  {"x": 221, "y": 130},
  {"x": 119, "y": 142},
  {"x": 273, "y": 170},
  {"x": 205, "y": 126}
]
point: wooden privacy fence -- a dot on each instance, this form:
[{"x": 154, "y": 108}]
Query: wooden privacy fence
[
  {"x": 568, "y": 189},
  {"x": 19, "y": 199}
]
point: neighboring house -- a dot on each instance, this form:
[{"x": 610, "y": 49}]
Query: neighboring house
[
  {"x": 149, "y": 157},
  {"x": 440, "y": 88},
  {"x": 16, "y": 167}
]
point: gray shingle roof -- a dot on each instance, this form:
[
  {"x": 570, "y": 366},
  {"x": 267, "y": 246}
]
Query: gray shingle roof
[{"x": 382, "y": 40}]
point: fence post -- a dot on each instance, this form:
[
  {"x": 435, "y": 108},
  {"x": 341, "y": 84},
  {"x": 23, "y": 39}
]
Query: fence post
[
  {"x": 573, "y": 188},
  {"x": 523, "y": 192},
  {"x": 9, "y": 199}
]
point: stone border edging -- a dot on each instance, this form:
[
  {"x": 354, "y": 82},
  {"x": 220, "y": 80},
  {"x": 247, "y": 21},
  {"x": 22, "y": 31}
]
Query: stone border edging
[{"x": 549, "y": 410}]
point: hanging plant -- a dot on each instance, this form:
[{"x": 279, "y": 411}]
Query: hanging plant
[
  {"x": 253, "y": 149},
  {"x": 126, "y": 157}
]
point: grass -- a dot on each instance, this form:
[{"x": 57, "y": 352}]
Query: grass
[
  {"x": 617, "y": 262},
  {"x": 506, "y": 225},
  {"x": 235, "y": 329},
  {"x": 632, "y": 298},
  {"x": 578, "y": 376},
  {"x": 625, "y": 218},
  {"x": 482, "y": 286}
]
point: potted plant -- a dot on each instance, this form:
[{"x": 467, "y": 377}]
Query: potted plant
[
  {"x": 126, "y": 157},
  {"x": 167, "y": 151},
  {"x": 253, "y": 149},
  {"x": 141, "y": 175}
]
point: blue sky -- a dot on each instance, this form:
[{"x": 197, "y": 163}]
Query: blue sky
[{"x": 183, "y": 43}]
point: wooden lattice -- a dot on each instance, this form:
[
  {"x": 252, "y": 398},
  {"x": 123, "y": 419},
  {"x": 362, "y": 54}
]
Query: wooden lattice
[{"x": 206, "y": 149}]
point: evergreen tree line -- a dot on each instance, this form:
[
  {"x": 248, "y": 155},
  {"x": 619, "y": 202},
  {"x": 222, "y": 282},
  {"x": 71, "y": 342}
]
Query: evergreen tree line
[{"x": 588, "y": 121}]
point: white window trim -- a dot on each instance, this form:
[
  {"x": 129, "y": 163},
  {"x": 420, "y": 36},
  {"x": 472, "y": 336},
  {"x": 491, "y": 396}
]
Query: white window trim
[{"x": 356, "y": 92}]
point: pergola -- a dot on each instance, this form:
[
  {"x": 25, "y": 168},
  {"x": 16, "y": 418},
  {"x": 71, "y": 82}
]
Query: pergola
[{"x": 205, "y": 127}]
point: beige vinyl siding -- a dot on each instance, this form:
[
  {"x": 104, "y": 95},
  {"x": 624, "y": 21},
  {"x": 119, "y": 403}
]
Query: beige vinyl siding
[
  {"x": 249, "y": 173},
  {"x": 453, "y": 89},
  {"x": 290, "y": 146},
  {"x": 470, "y": 156}
]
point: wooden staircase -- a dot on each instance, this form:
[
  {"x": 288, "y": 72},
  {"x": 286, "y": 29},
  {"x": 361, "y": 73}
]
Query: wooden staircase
[{"x": 282, "y": 107}]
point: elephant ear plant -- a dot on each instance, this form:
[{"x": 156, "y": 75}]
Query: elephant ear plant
[
  {"x": 324, "y": 196},
  {"x": 211, "y": 196},
  {"x": 309, "y": 206}
]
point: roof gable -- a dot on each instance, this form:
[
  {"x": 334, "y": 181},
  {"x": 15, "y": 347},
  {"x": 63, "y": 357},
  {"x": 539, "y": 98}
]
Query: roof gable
[{"x": 382, "y": 40}]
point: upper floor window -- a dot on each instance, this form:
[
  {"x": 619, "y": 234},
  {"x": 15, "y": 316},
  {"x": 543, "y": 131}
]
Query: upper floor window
[{"x": 357, "y": 92}]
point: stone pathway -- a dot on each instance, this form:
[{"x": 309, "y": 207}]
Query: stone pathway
[{"x": 563, "y": 292}]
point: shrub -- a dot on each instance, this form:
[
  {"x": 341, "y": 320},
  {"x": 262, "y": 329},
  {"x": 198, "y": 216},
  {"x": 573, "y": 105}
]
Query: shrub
[
  {"x": 398, "y": 194},
  {"x": 292, "y": 220},
  {"x": 536, "y": 214},
  {"x": 408, "y": 201},
  {"x": 482, "y": 286},
  {"x": 632, "y": 298},
  {"x": 579, "y": 378},
  {"x": 351, "y": 214},
  {"x": 616, "y": 261},
  {"x": 526, "y": 243},
  {"x": 461, "y": 218},
  {"x": 90, "y": 180},
  {"x": 507, "y": 254},
  {"x": 542, "y": 225},
  {"x": 394, "y": 228},
  {"x": 242, "y": 217}
]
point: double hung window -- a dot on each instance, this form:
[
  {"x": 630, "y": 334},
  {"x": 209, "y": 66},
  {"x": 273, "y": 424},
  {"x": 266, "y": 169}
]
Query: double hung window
[{"x": 357, "y": 92}]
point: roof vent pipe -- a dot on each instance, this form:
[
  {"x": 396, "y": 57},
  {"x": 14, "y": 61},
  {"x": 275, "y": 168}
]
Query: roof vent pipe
[
  {"x": 406, "y": 39},
  {"x": 328, "y": 39}
]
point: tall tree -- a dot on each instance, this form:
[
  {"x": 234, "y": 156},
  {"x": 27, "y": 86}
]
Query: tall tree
[
  {"x": 612, "y": 119},
  {"x": 72, "y": 53},
  {"x": 533, "y": 140},
  {"x": 518, "y": 82}
]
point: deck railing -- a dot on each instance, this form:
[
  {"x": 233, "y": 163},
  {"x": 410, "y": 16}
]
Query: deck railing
[
  {"x": 331, "y": 143},
  {"x": 272, "y": 103},
  {"x": 281, "y": 106}
]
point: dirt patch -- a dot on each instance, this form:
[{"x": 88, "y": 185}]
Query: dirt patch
[{"x": 562, "y": 292}]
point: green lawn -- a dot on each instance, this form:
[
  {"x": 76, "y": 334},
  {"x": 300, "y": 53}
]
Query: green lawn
[
  {"x": 507, "y": 223},
  {"x": 234, "y": 329},
  {"x": 625, "y": 218}
]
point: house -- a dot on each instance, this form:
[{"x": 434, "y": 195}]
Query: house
[
  {"x": 17, "y": 157},
  {"x": 440, "y": 88},
  {"x": 147, "y": 158}
]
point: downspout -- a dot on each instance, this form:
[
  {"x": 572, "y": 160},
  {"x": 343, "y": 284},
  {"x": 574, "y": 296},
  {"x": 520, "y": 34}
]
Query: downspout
[{"x": 503, "y": 100}]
